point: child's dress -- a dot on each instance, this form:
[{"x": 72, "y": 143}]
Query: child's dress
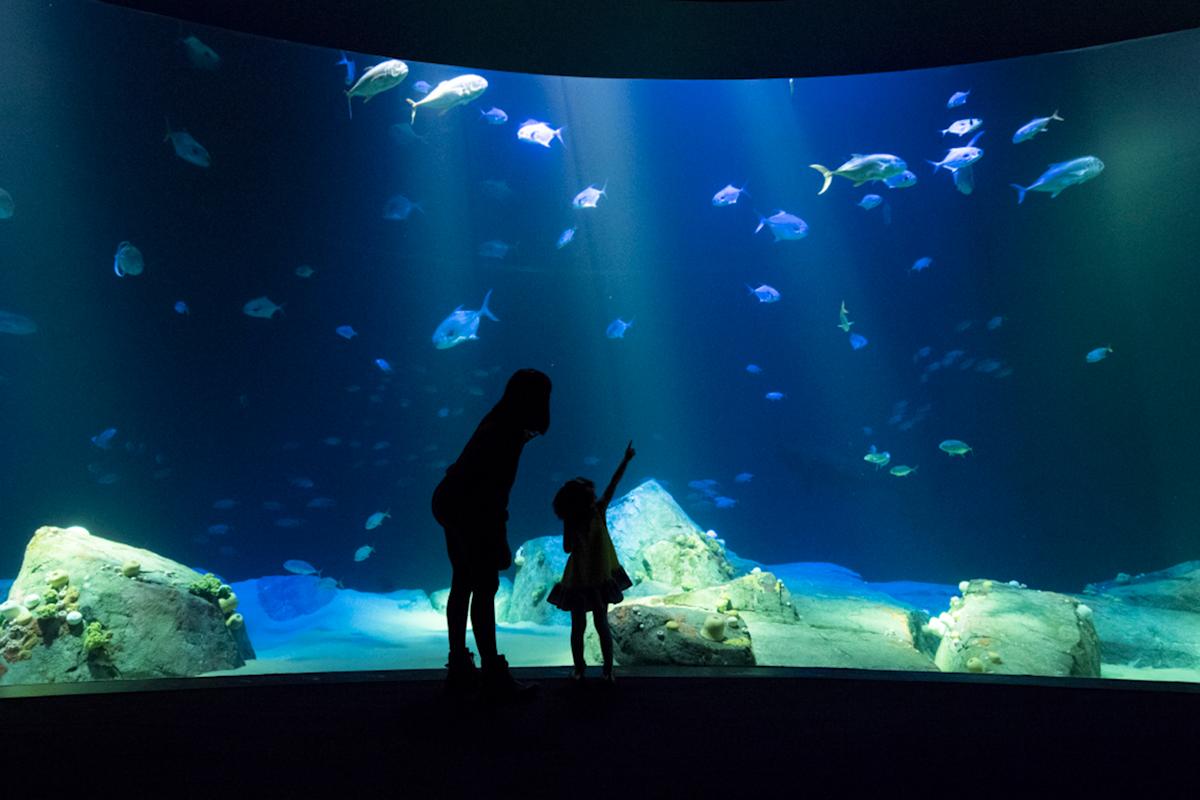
[{"x": 593, "y": 575}]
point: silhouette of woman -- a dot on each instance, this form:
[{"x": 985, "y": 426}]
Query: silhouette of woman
[{"x": 471, "y": 504}]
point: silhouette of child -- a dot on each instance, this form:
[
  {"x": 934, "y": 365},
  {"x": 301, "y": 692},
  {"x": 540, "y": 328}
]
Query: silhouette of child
[{"x": 593, "y": 577}]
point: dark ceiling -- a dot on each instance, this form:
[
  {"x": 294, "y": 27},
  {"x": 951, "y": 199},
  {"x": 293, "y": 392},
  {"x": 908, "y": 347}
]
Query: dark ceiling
[{"x": 651, "y": 38}]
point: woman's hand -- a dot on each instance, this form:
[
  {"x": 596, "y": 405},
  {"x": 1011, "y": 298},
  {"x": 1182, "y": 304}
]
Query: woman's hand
[{"x": 629, "y": 452}]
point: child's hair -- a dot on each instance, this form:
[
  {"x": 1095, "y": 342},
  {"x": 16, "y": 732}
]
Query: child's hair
[{"x": 574, "y": 499}]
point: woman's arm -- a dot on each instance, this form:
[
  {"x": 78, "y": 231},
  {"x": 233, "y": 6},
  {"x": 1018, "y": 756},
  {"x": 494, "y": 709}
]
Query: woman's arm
[{"x": 616, "y": 478}]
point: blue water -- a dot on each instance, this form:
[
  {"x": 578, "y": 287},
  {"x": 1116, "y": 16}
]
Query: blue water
[{"x": 1079, "y": 470}]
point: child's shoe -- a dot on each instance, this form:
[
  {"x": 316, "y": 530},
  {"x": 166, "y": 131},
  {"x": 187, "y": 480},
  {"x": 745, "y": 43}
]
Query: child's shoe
[{"x": 608, "y": 678}]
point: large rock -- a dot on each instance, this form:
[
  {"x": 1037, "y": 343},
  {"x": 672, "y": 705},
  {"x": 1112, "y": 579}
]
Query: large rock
[
  {"x": 150, "y": 624},
  {"x": 661, "y": 548},
  {"x": 998, "y": 628},
  {"x": 663, "y": 634}
]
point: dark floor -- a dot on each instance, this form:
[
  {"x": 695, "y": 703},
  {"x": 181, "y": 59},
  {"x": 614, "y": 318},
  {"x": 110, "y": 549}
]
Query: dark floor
[{"x": 657, "y": 733}]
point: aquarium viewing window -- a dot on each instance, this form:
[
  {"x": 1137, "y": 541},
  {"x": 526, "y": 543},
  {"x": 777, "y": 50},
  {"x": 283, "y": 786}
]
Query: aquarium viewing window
[{"x": 906, "y": 357}]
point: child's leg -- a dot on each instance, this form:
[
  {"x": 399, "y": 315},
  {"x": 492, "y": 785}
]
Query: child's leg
[
  {"x": 578, "y": 627},
  {"x": 600, "y": 620}
]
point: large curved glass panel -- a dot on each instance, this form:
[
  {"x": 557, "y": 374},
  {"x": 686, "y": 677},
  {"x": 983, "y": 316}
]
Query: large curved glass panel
[{"x": 906, "y": 359}]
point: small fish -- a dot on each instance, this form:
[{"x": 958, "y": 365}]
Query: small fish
[
  {"x": 200, "y": 55},
  {"x": 402, "y": 133},
  {"x": 957, "y": 99},
  {"x": 224, "y": 504},
  {"x": 272, "y": 505},
  {"x": 376, "y": 519},
  {"x": 299, "y": 567},
  {"x": 922, "y": 263},
  {"x": 591, "y": 461},
  {"x": 321, "y": 503},
  {"x": 379, "y": 78},
  {"x": 962, "y": 127},
  {"x": 331, "y": 441},
  {"x": 784, "y": 226},
  {"x": 16, "y": 324},
  {"x": 703, "y": 485},
  {"x": 775, "y": 396},
  {"x": 494, "y": 248},
  {"x": 536, "y": 132},
  {"x": 616, "y": 329},
  {"x": 443, "y": 412},
  {"x": 494, "y": 116},
  {"x": 858, "y": 341},
  {"x": 104, "y": 439},
  {"x": 952, "y": 356},
  {"x": 187, "y": 147},
  {"x": 128, "y": 260},
  {"x": 764, "y": 293},
  {"x": 922, "y": 353},
  {"x": 304, "y": 271},
  {"x": 261, "y": 307},
  {"x": 383, "y": 444},
  {"x": 958, "y": 157},
  {"x": 754, "y": 369},
  {"x": 422, "y": 87},
  {"x": 743, "y": 477},
  {"x": 862, "y": 169},
  {"x": 954, "y": 447},
  {"x": 348, "y": 63},
  {"x": 303, "y": 483},
  {"x": 964, "y": 179},
  {"x": 565, "y": 238},
  {"x": 724, "y": 502},
  {"x": 995, "y": 322},
  {"x": 457, "y": 91},
  {"x": 879, "y": 459},
  {"x": 288, "y": 522},
  {"x": 843, "y": 321},
  {"x": 869, "y": 201},
  {"x": 1099, "y": 354},
  {"x": 902, "y": 471},
  {"x": 988, "y": 366},
  {"x": 963, "y": 326},
  {"x": 384, "y": 366},
  {"x": 462, "y": 325},
  {"x": 345, "y": 331},
  {"x": 1061, "y": 176},
  {"x": 398, "y": 208},
  {"x": 1034, "y": 127},
  {"x": 219, "y": 529},
  {"x": 496, "y": 189},
  {"x": 590, "y": 197},
  {"x": 901, "y": 181},
  {"x": 728, "y": 196},
  {"x": 181, "y": 307},
  {"x": 363, "y": 553}
]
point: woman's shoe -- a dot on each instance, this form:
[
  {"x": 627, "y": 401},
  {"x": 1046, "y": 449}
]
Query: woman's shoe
[
  {"x": 497, "y": 683},
  {"x": 461, "y": 673}
]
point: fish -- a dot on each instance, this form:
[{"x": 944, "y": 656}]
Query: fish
[
  {"x": 16, "y": 324},
  {"x": 952, "y": 356},
  {"x": 363, "y": 553},
  {"x": 955, "y": 447},
  {"x": 496, "y": 189},
  {"x": 261, "y": 307},
  {"x": 332, "y": 441},
  {"x": 7, "y": 206},
  {"x": 879, "y": 459},
  {"x": 901, "y": 181},
  {"x": 775, "y": 396},
  {"x": 964, "y": 179},
  {"x": 303, "y": 483},
  {"x": 843, "y": 321},
  {"x": 743, "y": 477},
  {"x": 958, "y": 157},
  {"x": 299, "y": 567},
  {"x": 862, "y": 169},
  {"x": 869, "y": 201},
  {"x": 402, "y": 133},
  {"x": 181, "y": 307},
  {"x": 187, "y": 147},
  {"x": 494, "y": 116},
  {"x": 200, "y": 55},
  {"x": 422, "y": 87},
  {"x": 957, "y": 99},
  {"x": 1034, "y": 127},
  {"x": 988, "y": 365},
  {"x": 219, "y": 528},
  {"x": 616, "y": 329},
  {"x": 494, "y": 248},
  {"x": 398, "y": 208},
  {"x": 922, "y": 353},
  {"x": 345, "y": 331},
  {"x": 784, "y": 226},
  {"x": 462, "y": 325},
  {"x": 565, "y": 238},
  {"x": 272, "y": 505},
  {"x": 384, "y": 366},
  {"x": 1099, "y": 354},
  {"x": 127, "y": 260},
  {"x": 348, "y": 63},
  {"x": 858, "y": 341},
  {"x": 754, "y": 369},
  {"x": 1058, "y": 177},
  {"x": 995, "y": 322},
  {"x": 321, "y": 502},
  {"x": 703, "y": 485},
  {"x": 536, "y": 132},
  {"x": 224, "y": 504},
  {"x": 443, "y": 412},
  {"x": 379, "y": 78},
  {"x": 922, "y": 263},
  {"x": 729, "y": 195},
  {"x": 591, "y": 461},
  {"x": 446, "y": 95},
  {"x": 962, "y": 127},
  {"x": 902, "y": 470},
  {"x": 104, "y": 439},
  {"x": 764, "y": 293},
  {"x": 304, "y": 271},
  {"x": 590, "y": 196},
  {"x": 724, "y": 502},
  {"x": 288, "y": 522},
  {"x": 376, "y": 519}
]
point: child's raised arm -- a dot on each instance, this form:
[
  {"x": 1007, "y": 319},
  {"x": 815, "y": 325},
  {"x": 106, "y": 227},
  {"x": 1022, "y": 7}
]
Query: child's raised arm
[{"x": 616, "y": 478}]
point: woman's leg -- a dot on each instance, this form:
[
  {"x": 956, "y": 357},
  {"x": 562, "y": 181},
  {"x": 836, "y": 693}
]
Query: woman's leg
[
  {"x": 578, "y": 628},
  {"x": 600, "y": 620},
  {"x": 483, "y": 616},
  {"x": 457, "y": 606}
]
